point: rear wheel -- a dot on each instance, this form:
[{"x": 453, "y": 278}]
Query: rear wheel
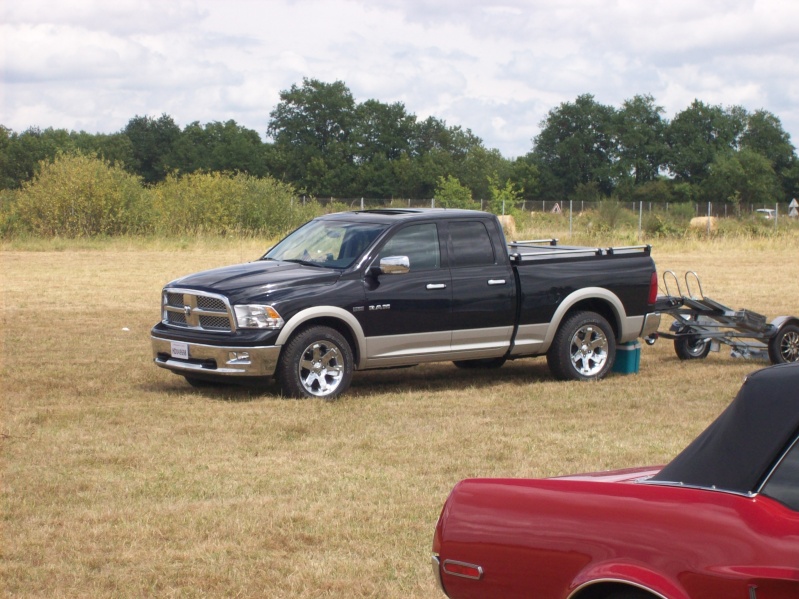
[
  {"x": 584, "y": 348},
  {"x": 784, "y": 346},
  {"x": 691, "y": 347},
  {"x": 316, "y": 362}
]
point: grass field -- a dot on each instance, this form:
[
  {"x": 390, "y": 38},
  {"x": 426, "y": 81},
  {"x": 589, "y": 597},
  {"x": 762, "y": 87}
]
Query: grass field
[{"x": 121, "y": 480}]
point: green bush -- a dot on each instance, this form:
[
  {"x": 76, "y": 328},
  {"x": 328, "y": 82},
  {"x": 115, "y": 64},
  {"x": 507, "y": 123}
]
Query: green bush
[
  {"x": 217, "y": 203},
  {"x": 450, "y": 193},
  {"x": 9, "y": 217},
  {"x": 82, "y": 196}
]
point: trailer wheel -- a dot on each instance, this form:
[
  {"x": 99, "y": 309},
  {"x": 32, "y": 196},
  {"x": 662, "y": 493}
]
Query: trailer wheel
[
  {"x": 316, "y": 362},
  {"x": 691, "y": 347},
  {"x": 784, "y": 346},
  {"x": 583, "y": 349}
]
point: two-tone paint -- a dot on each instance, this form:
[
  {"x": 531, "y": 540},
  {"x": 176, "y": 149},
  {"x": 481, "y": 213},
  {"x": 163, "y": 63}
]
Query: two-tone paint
[{"x": 509, "y": 308}]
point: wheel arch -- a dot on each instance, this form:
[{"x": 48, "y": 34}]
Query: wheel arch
[
  {"x": 333, "y": 317},
  {"x": 602, "y": 580},
  {"x": 591, "y": 299},
  {"x": 781, "y": 321}
]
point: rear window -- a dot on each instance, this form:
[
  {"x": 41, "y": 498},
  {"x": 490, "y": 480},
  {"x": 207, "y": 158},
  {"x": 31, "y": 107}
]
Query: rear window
[
  {"x": 471, "y": 244},
  {"x": 783, "y": 484}
]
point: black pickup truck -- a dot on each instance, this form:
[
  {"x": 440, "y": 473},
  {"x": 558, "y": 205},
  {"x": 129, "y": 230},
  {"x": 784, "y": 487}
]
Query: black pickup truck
[{"x": 388, "y": 288}]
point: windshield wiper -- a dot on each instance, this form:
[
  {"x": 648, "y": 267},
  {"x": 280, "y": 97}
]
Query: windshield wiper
[{"x": 304, "y": 262}]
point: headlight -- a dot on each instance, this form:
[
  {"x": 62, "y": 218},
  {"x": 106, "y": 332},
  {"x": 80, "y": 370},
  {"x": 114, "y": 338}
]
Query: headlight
[{"x": 257, "y": 317}]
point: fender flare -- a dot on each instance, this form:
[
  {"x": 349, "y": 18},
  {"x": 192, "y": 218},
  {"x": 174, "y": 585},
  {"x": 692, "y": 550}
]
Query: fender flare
[
  {"x": 586, "y": 293},
  {"x": 781, "y": 321},
  {"x": 631, "y": 574},
  {"x": 317, "y": 312}
]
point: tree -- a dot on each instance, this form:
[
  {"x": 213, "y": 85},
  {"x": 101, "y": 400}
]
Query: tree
[
  {"x": 577, "y": 144},
  {"x": 742, "y": 177},
  {"x": 22, "y": 154},
  {"x": 642, "y": 144},
  {"x": 312, "y": 128},
  {"x": 152, "y": 141},
  {"x": 218, "y": 147},
  {"x": 764, "y": 134},
  {"x": 479, "y": 166},
  {"x": 697, "y": 135},
  {"x": 525, "y": 174},
  {"x": 381, "y": 136}
]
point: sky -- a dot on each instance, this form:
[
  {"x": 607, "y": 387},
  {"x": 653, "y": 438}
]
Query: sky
[{"x": 496, "y": 68}]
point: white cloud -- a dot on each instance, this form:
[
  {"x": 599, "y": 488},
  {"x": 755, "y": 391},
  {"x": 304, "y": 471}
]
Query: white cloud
[{"x": 493, "y": 68}]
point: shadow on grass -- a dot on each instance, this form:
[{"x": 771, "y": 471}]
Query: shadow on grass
[
  {"x": 445, "y": 377},
  {"x": 430, "y": 378}
]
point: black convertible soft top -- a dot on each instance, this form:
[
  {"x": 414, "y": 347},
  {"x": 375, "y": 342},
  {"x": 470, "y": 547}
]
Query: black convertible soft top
[{"x": 742, "y": 445}]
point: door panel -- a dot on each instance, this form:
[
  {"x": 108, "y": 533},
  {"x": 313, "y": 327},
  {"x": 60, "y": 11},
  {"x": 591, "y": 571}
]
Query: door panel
[
  {"x": 483, "y": 289},
  {"x": 418, "y": 302}
]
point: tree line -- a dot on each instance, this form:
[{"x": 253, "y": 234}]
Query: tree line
[{"x": 323, "y": 143}]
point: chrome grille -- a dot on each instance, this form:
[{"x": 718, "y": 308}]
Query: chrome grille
[
  {"x": 211, "y": 303},
  {"x": 194, "y": 310},
  {"x": 174, "y": 299},
  {"x": 176, "y": 318},
  {"x": 218, "y": 323}
]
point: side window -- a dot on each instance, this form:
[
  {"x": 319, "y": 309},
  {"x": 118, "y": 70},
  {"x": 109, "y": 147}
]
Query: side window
[
  {"x": 783, "y": 484},
  {"x": 419, "y": 243},
  {"x": 471, "y": 244}
]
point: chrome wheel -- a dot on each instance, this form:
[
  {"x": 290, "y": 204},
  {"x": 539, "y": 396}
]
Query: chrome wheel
[
  {"x": 321, "y": 368},
  {"x": 589, "y": 350},
  {"x": 784, "y": 346}
]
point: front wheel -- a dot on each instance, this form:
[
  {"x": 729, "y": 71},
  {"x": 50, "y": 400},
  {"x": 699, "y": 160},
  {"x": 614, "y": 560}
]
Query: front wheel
[
  {"x": 691, "y": 347},
  {"x": 784, "y": 346},
  {"x": 584, "y": 348},
  {"x": 316, "y": 362}
]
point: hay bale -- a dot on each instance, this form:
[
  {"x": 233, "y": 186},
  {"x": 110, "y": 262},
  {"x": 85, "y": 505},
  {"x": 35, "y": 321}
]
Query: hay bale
[
  {"x": 703, "y": 222},
  {"x": 508, "y": 225}
]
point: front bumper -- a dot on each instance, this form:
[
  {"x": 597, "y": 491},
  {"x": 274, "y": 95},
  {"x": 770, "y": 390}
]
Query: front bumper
[{"x": 196, "y": 358}]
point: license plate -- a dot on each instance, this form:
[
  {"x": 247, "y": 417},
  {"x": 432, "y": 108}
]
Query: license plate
[{"x": 180, "y": 350}]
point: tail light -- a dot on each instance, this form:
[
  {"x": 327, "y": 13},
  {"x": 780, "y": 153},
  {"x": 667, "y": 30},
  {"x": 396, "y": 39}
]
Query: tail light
[{"x": 653, "y": 288}]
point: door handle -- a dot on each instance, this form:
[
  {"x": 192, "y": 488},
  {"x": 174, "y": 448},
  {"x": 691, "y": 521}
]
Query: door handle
[
  {"x": 436, "y": 286},
  {"x": 496, "y": 281}
]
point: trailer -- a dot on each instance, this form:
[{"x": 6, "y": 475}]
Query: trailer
[{"x": 702, "y": 325}]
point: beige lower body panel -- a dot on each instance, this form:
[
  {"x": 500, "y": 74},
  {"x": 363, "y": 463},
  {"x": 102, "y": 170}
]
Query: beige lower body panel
[{"x": 415, "y": 348}]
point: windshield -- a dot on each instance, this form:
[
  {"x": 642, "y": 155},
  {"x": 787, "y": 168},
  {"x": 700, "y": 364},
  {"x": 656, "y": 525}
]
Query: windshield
[{"x": 328, "y": 243}]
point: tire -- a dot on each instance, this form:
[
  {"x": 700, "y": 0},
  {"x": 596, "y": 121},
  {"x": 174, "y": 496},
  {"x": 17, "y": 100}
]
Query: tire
[
  {"x": 316, "y": 362},
  {"x": 583, "y": 349},
  {"x": 691, "y": 347},
  {"x": 481, "y": 364},
  {"x": 784, "y": 346}
]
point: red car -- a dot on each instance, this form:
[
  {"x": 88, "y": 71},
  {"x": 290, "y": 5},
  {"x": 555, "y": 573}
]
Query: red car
[{"x": 721, "y": 521}]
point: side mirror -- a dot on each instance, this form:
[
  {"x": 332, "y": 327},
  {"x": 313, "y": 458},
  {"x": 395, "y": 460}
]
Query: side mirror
[{"x": 394, "y": 265}]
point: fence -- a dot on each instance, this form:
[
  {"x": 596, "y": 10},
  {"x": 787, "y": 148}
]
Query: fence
[{"x": 719, "y": 209}]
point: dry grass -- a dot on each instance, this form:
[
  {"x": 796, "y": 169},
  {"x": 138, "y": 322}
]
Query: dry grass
[{"x": 118, "y": 479}]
